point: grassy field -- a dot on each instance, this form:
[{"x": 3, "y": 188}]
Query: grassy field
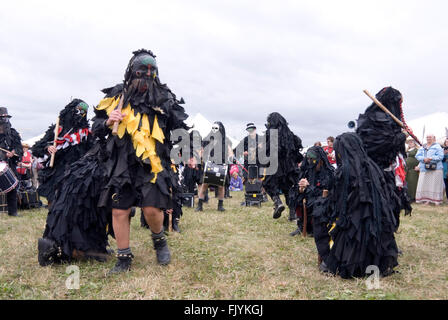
[{"x": 239, "y": 254}]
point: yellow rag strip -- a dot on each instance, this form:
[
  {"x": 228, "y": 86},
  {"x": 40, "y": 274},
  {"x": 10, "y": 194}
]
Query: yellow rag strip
[
  {"x": 137, "y": 126},
  {"x": 331, "y": 240}
]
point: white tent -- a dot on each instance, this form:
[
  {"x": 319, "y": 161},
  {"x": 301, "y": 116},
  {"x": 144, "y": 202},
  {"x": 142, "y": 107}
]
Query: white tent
[{"x": 436, "y": 123}]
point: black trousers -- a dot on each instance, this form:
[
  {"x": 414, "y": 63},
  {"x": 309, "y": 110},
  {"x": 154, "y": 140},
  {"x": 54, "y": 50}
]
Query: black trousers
[
  {"x": 11, "y": 198},
  {"x": 446, "y": 187}
]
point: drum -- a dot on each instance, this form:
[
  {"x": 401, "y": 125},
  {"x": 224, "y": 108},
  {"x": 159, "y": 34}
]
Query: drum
[
  {"x": 215, "y": 174},
  {"x": 8, "y": 180}
]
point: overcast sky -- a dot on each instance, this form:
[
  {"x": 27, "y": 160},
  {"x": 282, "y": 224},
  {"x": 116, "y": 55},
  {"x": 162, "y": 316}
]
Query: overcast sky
[{"x": 233, "y": 61}]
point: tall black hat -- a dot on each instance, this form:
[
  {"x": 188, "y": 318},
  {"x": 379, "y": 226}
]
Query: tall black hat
[{"x": 4, "y": 112}]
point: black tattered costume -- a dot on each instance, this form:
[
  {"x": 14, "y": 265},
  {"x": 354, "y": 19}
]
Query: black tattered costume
[
  {"x": 319, "y": 173},
  {"x": 132, "y": 168},
  {"x": 193, "y": 170},
  {"x": 288, "y": 158},
  {"x": 176, "y": 203},
  {"x": 74, "y": 140},
  {"x": 360, "y": 215},
  {"x": 10, "y": 140},
  {"x": 216, "y": 148},
  {"x": 384, "y": 142}
]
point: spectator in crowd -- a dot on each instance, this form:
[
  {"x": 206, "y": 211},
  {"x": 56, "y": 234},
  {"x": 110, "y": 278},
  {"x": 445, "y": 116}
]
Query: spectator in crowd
[
  {"x": 317, "y": 144},
  {"x": 430, "y": 181},
  {"x": 236, "y": 183},
  {"x": 24, "y": 167},
  {"x": 411, "y": 168},
  {"x": 445, "y": 165},
  {"x": 330, "y": 151}
]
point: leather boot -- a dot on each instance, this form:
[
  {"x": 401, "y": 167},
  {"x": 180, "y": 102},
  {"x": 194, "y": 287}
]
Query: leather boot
[
  {"x": 278, "y": 207},
  {"x": 176, "y": 225},
  {"x": 221, "y": 205},
  {"x": 123, "y": 264},
  {"x": 295, "y": 232},
  {"x": 161, "y": 247},
  {"x": 292, "y": 214},
  {"x": 199, "y": 207},
  {"x": 47, "y": 251},
  {"x": 324, "y": 268}
]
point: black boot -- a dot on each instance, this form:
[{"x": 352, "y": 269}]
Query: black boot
[
  {"x": 324, "y": 268},
  {"x": 295, "y": 232},
  {"x": 123, "y": 263},
  {"x": 279, "y": 207},
  {"x": 47, "y": 251},
  {"x": 265, "y": 197},
  {"x": 292, "y": 214},
  {"x": 161, "y": 247},
  {"x": 199, "y": 207},
  {"x": 176, "y": 225},
  {"x": 221, "y": 205}
]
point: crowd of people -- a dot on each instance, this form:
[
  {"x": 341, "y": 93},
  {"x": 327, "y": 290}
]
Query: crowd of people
[{"x": 347, "y": 195}]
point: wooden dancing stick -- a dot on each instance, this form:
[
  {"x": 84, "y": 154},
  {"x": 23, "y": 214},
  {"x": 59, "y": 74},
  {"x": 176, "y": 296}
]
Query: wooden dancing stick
[
  {"x": 305, "y": 218},
  {"x": 116, "y": 123},
  {"x": 8, "y": 151},
  {"x": 170, "y": 221},
  {"x": 56, "y": 133},
  {"x": 398, "y": 121}
]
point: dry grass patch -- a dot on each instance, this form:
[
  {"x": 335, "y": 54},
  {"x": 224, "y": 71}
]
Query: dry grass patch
[{"x": 239, "y": 254}]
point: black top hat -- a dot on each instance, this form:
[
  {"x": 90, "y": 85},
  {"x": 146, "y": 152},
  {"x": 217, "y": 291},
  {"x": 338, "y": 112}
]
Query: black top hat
[
  {"x": 250, "y": 125},
  {"x": 4, "y": 112}
]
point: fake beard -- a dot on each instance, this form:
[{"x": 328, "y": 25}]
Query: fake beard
[
  {"x": 141, "y": 92},
  {"x": 5, "y": 127}
]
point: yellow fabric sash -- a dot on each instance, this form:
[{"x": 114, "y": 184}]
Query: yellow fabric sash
[{"x": 137, "y": 126}]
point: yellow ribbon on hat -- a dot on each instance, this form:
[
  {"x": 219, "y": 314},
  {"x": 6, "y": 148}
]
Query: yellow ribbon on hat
[{"x": 137, "y": 126}]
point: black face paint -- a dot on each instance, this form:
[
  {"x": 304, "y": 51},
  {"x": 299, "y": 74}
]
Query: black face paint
[
  {"x": 142, "y": 64},
  {"x": 144, "y": 71},
  {"x": 4, "y": 120},
  {"x": 312, "y": 158}
]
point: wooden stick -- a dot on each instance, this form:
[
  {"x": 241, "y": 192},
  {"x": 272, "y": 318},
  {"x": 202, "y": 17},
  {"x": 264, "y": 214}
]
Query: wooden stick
[
  {"x": 382, "y": 107},
  {"x": 56, "y": 133},
  {"x": 8, "y": 151},
  {"x": 116, "y": 123},
  {"x": 170, "y": 221}
]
